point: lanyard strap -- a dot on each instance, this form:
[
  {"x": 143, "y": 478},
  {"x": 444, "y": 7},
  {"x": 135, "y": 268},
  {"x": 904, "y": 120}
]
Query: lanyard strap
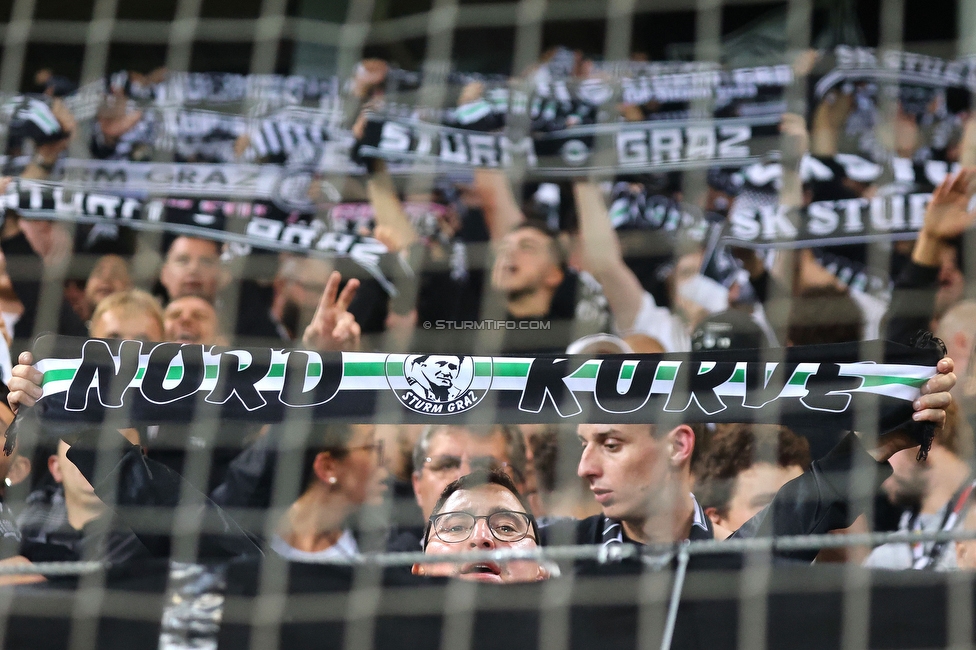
[{"x": 923, "y": 560}]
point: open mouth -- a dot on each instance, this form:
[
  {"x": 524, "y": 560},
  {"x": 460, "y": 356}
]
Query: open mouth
[{"x": 479, "y": 569}]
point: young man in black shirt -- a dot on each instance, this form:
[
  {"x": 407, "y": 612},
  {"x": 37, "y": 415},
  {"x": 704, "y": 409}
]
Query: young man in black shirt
[{"x": 641, "y": 476}]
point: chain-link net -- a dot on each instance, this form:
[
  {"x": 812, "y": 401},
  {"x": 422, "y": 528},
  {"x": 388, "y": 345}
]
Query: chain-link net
[{"x": 340, "y": 313}]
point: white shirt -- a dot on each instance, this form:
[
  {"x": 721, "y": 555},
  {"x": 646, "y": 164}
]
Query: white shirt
[
  {"x": 672, "y": 332},
  {"x": 661, "y": 324},
  {"x": 344, "y": 549},
  {"x": 899, "y": 555}
]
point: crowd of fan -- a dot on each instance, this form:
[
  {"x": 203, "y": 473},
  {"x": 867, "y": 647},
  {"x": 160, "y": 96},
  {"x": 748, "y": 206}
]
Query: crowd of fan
[{"x": 441, "y": 489}]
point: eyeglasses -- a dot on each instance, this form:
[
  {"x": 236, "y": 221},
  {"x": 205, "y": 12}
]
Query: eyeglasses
[
  {"x": 505, "y": 525},
  {"x": 445, "y": 463},
  {"x": 376, "y": 446}
]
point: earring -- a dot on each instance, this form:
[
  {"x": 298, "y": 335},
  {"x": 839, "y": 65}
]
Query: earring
[
  {"x": 7, "y": 482},
  {"x": 332, "y": 480}
]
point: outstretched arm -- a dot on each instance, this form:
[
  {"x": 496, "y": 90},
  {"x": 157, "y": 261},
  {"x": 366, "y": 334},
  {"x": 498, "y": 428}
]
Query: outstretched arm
[
  {"x": 46, "y": 155},
  {"x": 821, "y": 500},
  {"x": 502, "y": 211},
  {"x": 399, "y": 233},
  {"x": 603, "y": 258},
  {"x": 828, "y": 121},
  {"x": 946, "y": 217}
]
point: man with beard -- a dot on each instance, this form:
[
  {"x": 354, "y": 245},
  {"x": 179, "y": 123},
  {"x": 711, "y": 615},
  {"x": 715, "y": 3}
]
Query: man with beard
[
  {"x": 932, "y": 494},
  {"x": 547, "y": 305}
]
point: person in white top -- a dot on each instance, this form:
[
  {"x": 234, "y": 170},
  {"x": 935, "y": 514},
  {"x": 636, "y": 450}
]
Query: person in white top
[
  {"x": 933, "y": 494},
  {"x": 344, "y": 470},
  {"x": 634, "y": 309}
]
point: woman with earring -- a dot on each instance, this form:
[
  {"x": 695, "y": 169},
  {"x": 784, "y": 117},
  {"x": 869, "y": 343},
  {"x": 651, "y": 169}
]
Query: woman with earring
[{"x": 343, "y": 471}]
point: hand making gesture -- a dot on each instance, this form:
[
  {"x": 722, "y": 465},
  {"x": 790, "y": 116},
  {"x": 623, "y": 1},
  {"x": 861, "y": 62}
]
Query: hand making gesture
[
  {"x": 333, "y": 328},
  {"x": 948, "y": 214},
  {"x": 946, "y": 217}
]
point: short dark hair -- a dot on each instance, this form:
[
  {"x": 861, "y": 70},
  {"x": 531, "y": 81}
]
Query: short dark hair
[
  {"x": 559, "y": 255},
  {"x": 824, "y": 315},
  {"x": 737, "y": 447},
  {"x": 324, "y": 437},
  {"x": 545, "y": 454},
  {"x": 702, "y": 439},
  {"x": 169, "y": 241},
  {"x": 424, "y": 357},
  {"x": 473, "y": 481}
]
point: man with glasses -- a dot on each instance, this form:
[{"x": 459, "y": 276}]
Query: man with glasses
[
  {"x": 482, "y": 511},
  {"x": 445, "y": 453}
]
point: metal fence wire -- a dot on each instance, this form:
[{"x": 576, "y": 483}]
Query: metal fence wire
[{"x": 285, "y": 271}]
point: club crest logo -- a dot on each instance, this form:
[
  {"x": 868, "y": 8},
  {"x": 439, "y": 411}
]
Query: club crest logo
[{"x": 439, "y": 384}]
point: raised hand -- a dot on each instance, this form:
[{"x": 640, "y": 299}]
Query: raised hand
[
  {"x": 471, "y": 92},
  {"x": 832, "y": 112},
  {"x": 115, "y": 120},
  {"x": 25, "y": 383},
  {"x": 368, "y": 76},
  {"x": 49, "y": 151},
  {"x": 935, "y": 397},
  {"x": 828, "y": 120},
  {"x": 948, "y": 215},
  {"x": 930, "y": 406},
  {"x": 333, "y": 328},
  {"x": 796, "y": 140}
]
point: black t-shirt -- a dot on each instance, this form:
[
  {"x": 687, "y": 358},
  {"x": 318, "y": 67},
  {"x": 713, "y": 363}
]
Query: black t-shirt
[
  {"x": 578, "y": 309},
  {"x": 603, "y": 531},
  {"x": 599, "y": 529}
]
